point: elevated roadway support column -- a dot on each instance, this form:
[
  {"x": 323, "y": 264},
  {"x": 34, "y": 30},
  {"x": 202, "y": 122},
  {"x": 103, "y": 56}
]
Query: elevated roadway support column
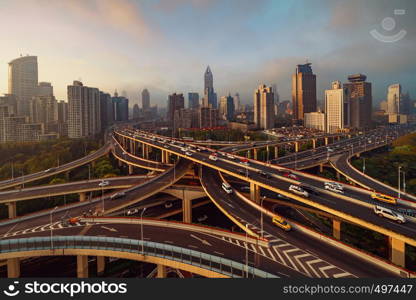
[
  {"x": 13, "y": 268},
  {"x": 336, "y": 229},
  {"x": 357, "y": 155},
  {"x": 321, "y": 168},
  {"x": 296, "y": 146},
  {"x": 100, "y": 265},
  {"x": 397, "y": 251},
  {"x": 82, "y": 196},
  {"x": 11, "y": 208},
  {"x": 313, "y": 143},
  {"x": 255, "y": 153},
  {"x": 82, "y": 266},
  {"x": 146, "y": 152},
  {"x": 326, "y": 141},
  {"x": 254, "y": 192},
  {"x": 276, "y": 152},
  {"x": 186, "y": 209},
  {"x": 161, "y": 271},
  {"x": 130, "y": 170},
  {"x": 248, "y": 154}
]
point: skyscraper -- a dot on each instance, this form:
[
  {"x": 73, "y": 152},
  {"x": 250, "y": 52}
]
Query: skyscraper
[
  {"x": 84, "y": 114},
  {"x": 336, "y": 108},
  {"x": 145, "y": 100},
  {"x": 193, "y": 100},
  {"x": 303, "y": 91},
  {"x": 210, "y": 97},
  {"x": 237, "y": 103},
  {"x": 394, "y": 94},
  {"x": 23, "y": 82},
  {"x": 361, "y": 99},
  {"x": 175, "y": 102},
  {"x": 264, "y": 107},
  {"x": 121, "y": 108},
  {"x": 226, "y": 109}
]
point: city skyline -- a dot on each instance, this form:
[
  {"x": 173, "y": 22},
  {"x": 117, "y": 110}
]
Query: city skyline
[{"x": 62, "y": 60}]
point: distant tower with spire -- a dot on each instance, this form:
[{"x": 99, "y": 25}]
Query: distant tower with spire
[{"x": 210, "y": 97}]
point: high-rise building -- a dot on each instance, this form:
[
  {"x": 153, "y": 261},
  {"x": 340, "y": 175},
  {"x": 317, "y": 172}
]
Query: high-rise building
[
  {"x": 303, "y": 91},
  {"x": 336, "y": 108},
  {"x": 43, "y": 109},
  {"x": 44, "y": 89},
  {"x": 405, "y": 104},
  {"x": 145, "y": 100},
  {"x": 264, "y": 107},
  {"x": 315, "y": 120},
  {"x": 136, "y": 112},
  {"x": 208, "y": 117},
  {"x": 62, "y": 111},
  {"x": 193, "y": 100},
  {"x": 175, "y": 102},
  {"x": 226, "y": 109},
  {"x": 361, "y": 99},
  {"x": 383, "y": 106},
  {"x": 210, "y": 97},
  {"x": 121, "y": 108},
  {"x": 237, "y": 103},
  {"x": 84, "y": 114},
  {"x": 23, "y": 81},
  {"x": 394, "y": 99},
  {"x": 106, "y": 109}
]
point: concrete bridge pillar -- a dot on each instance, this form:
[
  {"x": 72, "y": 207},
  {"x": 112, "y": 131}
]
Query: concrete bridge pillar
[
  {"x": 82, "y": 266},
  {"x": 147, "y": 151},
  {"x": 248, "y": 154},
  {"x": 326, "y": 141},
  {"x": 276, "y": 152},
  {"x": 255, "y": 151},
  {"x": 313, "y": 143},
  {"x": 161, "y": 271},
  {"x": 82, "y": 196},
  {"x": 11, "y": 208},
  {"x": 13, "y": 268},
  {"x": 296, "y": 146},
  {"x": 336, "y": 229},
  {"x": 321, "y": 168},
  {"x": 143, "y": 150},
  {"x": 357, "y": 155},
  {"x": 254, "y": 192},
  {"x": 131, "y": 145},
  {"x": 397, "y": 251},
  {"x": 339, "y": 138},
  {"x": 100, "y": 265},
  {"x": 186, "y": 209},
  {"x": 131, "y": 170},
  {"x": 338, "y": 176}
]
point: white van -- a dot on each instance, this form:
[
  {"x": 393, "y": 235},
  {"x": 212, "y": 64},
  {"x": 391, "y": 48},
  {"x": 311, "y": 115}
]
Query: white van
[
  {"x": 389, "y": 214},
  {"x": 227, "y": 188}
]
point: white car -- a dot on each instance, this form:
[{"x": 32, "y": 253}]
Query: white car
[
  {"x": 103, "y": 183},
  {"x": 230, "y": 156},
  {"x": 168, "y": 204},
  {"x": 227, "y": 188},
  {"x": 213, "y": 157},
  {"x": 389, "y": 214},
  {"x": 188, "y": 153},
  {"x": 334, "y": 187},
  {"x": 298, "y": 190}
]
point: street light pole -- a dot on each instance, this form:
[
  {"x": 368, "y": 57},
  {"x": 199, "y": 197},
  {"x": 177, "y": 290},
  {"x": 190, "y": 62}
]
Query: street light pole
[
  {"x": 102, "y": 197},
  {"x": 364, "y": 165},
  {"x": 246, "y": 251},
  {"x": 261, "y": 215},
  {"x": 50, "y": 220},
  {"x": 398, "y": 173},
  {"x": 141, "y": 229}
]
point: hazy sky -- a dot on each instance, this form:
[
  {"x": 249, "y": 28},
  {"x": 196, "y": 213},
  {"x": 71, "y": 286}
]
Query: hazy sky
[{"x": 166, "y": 45}]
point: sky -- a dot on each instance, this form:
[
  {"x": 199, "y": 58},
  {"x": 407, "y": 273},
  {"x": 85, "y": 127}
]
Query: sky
[{"x": 166, "y": 45}]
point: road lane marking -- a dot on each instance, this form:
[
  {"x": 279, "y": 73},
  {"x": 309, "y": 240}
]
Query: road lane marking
[
  {"x": 219, "y": 253},
  {"x": 192, "y": 246}
]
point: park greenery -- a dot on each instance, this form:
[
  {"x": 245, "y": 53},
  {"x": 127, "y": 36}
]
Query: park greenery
[{"x": 383, "y": 165}]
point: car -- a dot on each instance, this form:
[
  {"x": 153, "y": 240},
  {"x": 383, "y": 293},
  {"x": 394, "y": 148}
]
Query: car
[
  {"x": 280, "y": 222},
  {"x": 227, "y": 188},
  {"x": 213, "y": 157},
  {"x": 298, "y": 190},
  {"x": 132, "y": 211},
  {"x": 117, "y": 195},
  {"x": 389, "y": 214},
  {"x": 290, "y": 175},
  {"x": 188, "y": 153},
  {"x": 230, "y": 156},
  {"x": 168, "y": 204},
  {"x": 103, "y": 183},
  {"x": 329, "y": 186},
  {"x": 330, "y": 149},
  {"x": 263, "y": 174},
  {"x": 73, "y": 221},
  {"x": 124, "y": 153},
  {"x": 167, "y": 146},
  {"x": 244, "y": 162},
  {"x": 198, "y": 149},
  {"x": 383, "y": 198}
]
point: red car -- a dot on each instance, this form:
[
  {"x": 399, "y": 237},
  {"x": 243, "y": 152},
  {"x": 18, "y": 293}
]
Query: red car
[{"x": 290, "y": 175}]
